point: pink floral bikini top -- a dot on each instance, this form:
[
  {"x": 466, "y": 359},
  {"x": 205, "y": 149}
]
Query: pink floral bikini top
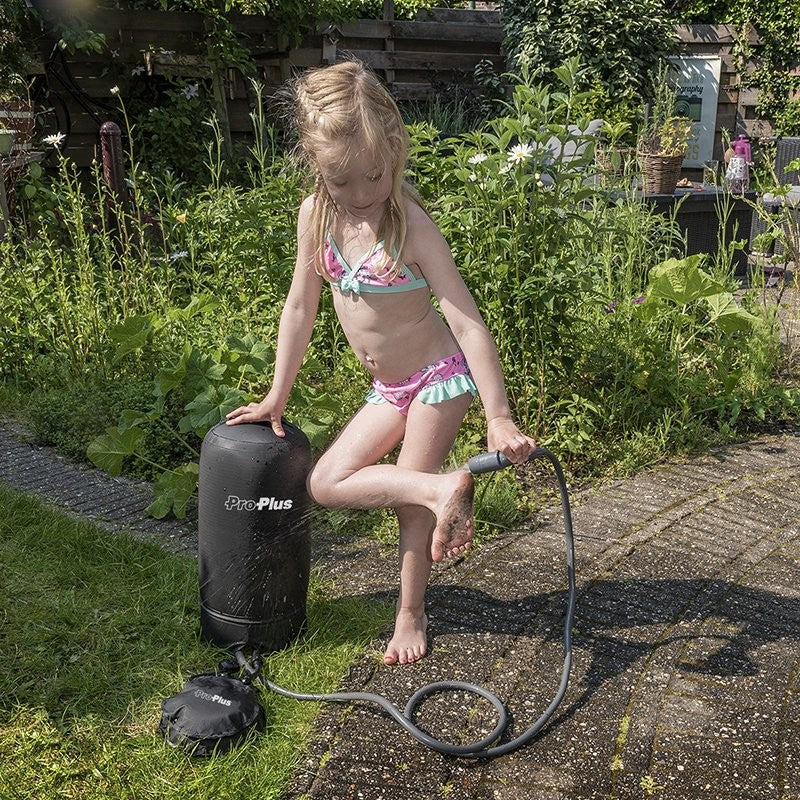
[{"x": 366, "y": 276}]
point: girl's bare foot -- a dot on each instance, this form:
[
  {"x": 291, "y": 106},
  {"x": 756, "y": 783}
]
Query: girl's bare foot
[
  {"x": 453, "y": 533},
  {"x": 410, "y": 641}
]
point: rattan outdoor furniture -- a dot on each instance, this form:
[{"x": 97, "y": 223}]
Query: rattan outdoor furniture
[
  {"x": 698, "y": 216},
  {"x": 787, "y": 150}
]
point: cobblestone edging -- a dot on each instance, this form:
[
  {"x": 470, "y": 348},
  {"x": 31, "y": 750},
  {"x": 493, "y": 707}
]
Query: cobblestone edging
[{"x": 113, "y": 503}]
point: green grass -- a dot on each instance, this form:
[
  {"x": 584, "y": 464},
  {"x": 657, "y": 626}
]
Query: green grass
[{"x": 96, "y": 629}]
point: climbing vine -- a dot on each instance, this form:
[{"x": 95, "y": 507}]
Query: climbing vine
[{"x": 774, "y": 28}]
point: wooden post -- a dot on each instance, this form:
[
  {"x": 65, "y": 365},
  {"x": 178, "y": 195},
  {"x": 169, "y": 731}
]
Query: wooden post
[
  {"x": 113, "y": 173},
  {"x": 284, "y": 61},
  {"x": 221, "y": 109},
  {"x": 388, "y": 41}
]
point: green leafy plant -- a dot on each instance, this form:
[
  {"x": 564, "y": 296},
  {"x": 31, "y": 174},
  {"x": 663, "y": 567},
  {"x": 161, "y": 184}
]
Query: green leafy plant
[
  {"x": 208, "y": 385},
  {"x": 780, "y": 219},
  {"x": 170, "y": 134},
  {"x": 664, "y": 132},
  {"x": 508, "y": 200},
  {"x": 604, "y": 334},
  {"x": 15, "y": 57},
  {"x": 620, "y": 44}
]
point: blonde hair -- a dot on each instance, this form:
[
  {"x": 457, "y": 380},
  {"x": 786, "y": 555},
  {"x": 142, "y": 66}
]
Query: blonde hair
[{"x": 338, "y": 105}]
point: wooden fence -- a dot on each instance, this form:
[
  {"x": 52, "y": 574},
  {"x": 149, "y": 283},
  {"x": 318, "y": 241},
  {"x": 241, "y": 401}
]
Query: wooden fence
[{"x": 434, "y": 53}]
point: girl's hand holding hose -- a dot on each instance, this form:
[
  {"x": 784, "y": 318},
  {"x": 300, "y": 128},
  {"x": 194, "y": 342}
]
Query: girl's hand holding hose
[{"x": 503, "y": 435}]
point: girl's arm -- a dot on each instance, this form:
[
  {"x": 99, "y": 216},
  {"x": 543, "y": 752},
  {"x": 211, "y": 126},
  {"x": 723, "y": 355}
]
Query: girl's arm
[
  {"x": 294, "y": 332},
  {"x": 473, "y": 337}
]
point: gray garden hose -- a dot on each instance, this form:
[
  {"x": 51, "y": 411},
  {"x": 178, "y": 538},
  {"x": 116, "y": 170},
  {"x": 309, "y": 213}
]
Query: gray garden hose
[{"x": 485, "y": 462}]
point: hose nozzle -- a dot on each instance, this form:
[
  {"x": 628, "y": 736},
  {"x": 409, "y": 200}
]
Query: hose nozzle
[{"x": 491, "y": 462}]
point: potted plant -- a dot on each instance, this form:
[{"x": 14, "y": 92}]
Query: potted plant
[
  {"x": 613, "y": 152},
  {"x": 664, "y": 139}
]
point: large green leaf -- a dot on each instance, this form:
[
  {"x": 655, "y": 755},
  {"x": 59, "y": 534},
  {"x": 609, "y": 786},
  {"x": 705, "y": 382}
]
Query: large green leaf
[
  {"x": 108, "y": 450},
  {"x": 209, "y": 408},
  {"x": 199, "y": 304},
  {"x": 729, "y": 315},
  {"x": 172, "y": 490},
  {"x": 682, "y": 281},
  {"x": 318, "y": 431},
  {"x": 130, "y": 418},
  {"x": 202, "y": 371},
  {"x": 249, "y": 354},
  {"x": 132, "y": 333},
  {"x": 171, "y": 377}
]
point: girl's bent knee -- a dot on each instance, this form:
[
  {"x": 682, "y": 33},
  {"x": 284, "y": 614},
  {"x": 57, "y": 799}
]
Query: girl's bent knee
[{"x": 320, "y": 488}]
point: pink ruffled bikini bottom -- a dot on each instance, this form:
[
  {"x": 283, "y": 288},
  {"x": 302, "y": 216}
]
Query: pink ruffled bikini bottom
[{"x": 440, "y": 381}]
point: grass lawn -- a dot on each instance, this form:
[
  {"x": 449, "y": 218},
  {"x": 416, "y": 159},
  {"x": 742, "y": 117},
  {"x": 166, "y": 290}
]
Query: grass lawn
[{"x": 96, "y": 629}]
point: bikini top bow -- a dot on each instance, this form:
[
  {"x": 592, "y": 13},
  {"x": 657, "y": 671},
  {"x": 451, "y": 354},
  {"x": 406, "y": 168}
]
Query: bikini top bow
[{"x": 348, "y": 283}]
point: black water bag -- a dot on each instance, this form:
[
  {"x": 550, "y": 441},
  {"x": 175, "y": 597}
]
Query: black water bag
[{"x": 254, "y": 543}]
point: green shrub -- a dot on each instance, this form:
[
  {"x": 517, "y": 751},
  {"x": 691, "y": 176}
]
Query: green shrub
[
  {"x": 69, "y": 416},
  {"x": 572, "y": 284},
  {"x": 620, "y": 44}
]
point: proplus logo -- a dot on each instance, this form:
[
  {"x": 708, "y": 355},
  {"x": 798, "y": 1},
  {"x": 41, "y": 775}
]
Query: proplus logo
[
  {"x": 212, "y": 698},
  {"x": 234, "y": 503}
]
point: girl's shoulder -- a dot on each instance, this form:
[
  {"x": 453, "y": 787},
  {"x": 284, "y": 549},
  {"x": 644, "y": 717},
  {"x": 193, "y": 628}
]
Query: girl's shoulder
[
  {"x": 421, "y": 229},
  {"x": 425, "y": 247},
  {"x": 307, "y": 207},
  {"x": 418, "y": 221}
]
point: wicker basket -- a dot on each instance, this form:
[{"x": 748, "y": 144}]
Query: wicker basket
[{"x": 660, "y": 173}]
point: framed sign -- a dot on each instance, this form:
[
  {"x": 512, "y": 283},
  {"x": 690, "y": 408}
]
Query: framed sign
[{"x": 698, "y": 93}]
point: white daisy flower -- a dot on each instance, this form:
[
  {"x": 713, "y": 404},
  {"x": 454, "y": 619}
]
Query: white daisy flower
[
  {"x": 178, "y": 254},
  {"x": 114, "y": 90},
  {"x": 472, "y": 177},
  {"x": 137, "y": 70},
  {"x": 193, "y": 90},
  {"x": 478, "y": 158},
  {"x": 505, "y": 169},
  {"x": 519, "y": 153},
  {"x": 55, "y": 139}
]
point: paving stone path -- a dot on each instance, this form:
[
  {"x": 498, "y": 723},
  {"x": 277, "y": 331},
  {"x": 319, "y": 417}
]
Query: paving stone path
[
  {"x": 686, "y": 673},
  {"x": 686, "y": 676}
]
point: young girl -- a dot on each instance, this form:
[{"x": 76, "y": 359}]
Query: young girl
[{"x": 365, "y": 234}]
